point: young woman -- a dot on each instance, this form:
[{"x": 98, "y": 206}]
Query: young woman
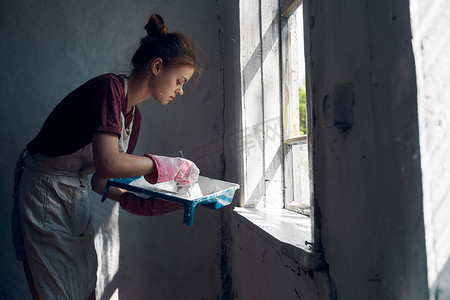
[{"x": 94, "y": 130}]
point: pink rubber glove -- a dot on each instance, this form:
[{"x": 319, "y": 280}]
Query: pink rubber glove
[
  {"x": 147, "y": 207},
  {"x": 184, "y": 172}
]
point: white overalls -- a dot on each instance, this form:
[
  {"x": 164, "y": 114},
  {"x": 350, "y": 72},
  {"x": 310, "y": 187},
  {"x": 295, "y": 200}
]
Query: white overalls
[{"x": 54, "y": 204}]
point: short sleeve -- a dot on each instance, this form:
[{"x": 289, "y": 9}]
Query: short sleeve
[
  {"x": 107, "y": 107},
  {"x": 93, "y": 107}
]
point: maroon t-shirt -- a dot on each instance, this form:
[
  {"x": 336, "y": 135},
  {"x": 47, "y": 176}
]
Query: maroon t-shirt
[{"x": 93, "y": 107}]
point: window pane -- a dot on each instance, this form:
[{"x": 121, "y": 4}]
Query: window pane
[{"x": 295, "y": 114}]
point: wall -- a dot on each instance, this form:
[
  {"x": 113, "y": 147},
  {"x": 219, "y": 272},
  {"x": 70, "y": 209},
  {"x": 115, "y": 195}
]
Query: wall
[
  {"x": 431, "y": 41},
  {"x": 49, "y": 48},
  {"x": 367, "y": 175}
]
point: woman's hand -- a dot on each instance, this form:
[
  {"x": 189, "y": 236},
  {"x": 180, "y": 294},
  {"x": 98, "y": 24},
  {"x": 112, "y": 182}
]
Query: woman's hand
[{"x": 184, "y": 172}]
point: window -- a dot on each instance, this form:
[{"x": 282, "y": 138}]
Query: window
[
  {"x": 296, "y": 166},
  {"x": 275, "y": 194},
  {"x": 275, "y": 144}
]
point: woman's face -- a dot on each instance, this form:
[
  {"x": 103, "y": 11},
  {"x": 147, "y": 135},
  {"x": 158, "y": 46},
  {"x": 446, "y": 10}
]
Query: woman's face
[{"x": 168, "y": 83}]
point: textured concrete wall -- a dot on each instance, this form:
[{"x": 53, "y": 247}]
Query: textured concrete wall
[
  {"x": 367, "y": 174},
  {"x": 431, "y": 20},
  {"x": 50, "y": 47}
]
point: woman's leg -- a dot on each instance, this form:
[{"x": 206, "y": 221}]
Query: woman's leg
[{"x": 26, "y": 268}]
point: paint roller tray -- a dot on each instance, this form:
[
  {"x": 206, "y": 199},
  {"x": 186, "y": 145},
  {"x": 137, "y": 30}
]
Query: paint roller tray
[{"x": 208, "y": 192}]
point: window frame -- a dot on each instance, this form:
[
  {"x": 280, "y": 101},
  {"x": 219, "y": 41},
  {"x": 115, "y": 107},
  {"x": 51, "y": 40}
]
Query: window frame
[{"x": 263, "y": 184}]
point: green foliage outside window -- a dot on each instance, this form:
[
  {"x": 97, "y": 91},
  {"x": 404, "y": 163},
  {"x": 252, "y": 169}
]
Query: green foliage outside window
[{"x": 302, "y": 109}]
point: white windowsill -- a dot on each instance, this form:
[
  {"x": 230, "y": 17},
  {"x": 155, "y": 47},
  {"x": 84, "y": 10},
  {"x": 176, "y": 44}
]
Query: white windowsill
[{"x": 286, "y": 231}]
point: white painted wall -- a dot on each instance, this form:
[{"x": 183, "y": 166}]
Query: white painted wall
[
  {"x": 430, "y": 20},
  {"x": 368, "y": 186},
  {"x": 49, "y": 48}
]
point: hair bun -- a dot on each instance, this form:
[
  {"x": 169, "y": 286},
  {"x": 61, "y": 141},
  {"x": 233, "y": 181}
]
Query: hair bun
[
  {"x": 173, "y": 48},
  {"x": 155, "y": 26}
]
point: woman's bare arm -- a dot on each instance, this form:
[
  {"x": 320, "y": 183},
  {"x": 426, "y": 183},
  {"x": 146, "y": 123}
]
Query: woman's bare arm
[
  {"x": 110, "y": 163},
  {"x": 98, "y": 186}
]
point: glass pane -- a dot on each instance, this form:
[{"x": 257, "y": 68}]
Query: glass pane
[{"x": 297, "y": 143}]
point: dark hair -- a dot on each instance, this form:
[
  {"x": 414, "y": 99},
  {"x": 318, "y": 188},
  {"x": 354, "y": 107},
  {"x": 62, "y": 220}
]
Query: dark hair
[{"x": 172, "y": 48}]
